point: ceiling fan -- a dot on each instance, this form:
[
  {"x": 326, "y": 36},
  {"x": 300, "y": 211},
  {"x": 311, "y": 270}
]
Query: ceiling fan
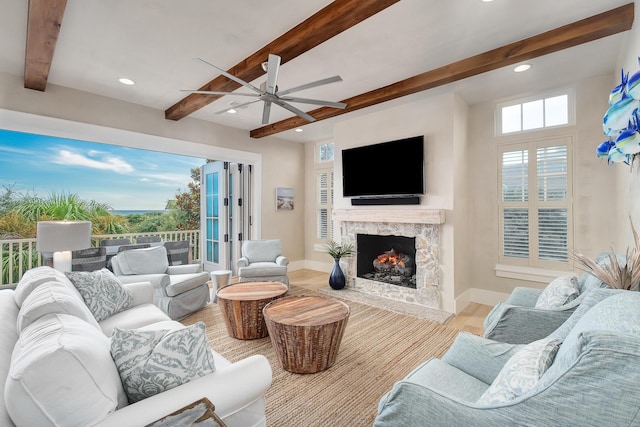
[{"x": 269, "y": 93}]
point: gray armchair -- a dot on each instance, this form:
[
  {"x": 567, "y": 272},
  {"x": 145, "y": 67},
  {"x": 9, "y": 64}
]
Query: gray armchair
[
  {"x": 517, "y": 321},
  {"x": 262, "y": 260},
  {"x": 179, "y": 290},
  {"x": 593, "y": 380}
]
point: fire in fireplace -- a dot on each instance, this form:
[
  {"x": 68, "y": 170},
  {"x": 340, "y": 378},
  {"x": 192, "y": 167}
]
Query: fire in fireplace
[{"x": 388, "y": 259}]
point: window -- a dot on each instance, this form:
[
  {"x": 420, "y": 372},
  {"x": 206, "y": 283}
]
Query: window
[
  {"x": 324, "y": 191},
  {"x": 325, "y": 152},
  {"x": 535, "y": 203},
  {"x": 520, "y": 116}
]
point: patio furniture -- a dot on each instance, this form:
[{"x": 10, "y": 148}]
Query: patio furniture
[
  {"x": 593, "y": 379},
  {"x": 90, "y": 259},
  {"x": 178, "y": 252},
  {"x": 179, "y": 290},
  {"x": 262, "y": 260},
  {"x": 148, "y": 239},
  {"x": 133, "y": 246},
  {"x": 241, "y": 306},
  {"x": 306, "y": 331}
]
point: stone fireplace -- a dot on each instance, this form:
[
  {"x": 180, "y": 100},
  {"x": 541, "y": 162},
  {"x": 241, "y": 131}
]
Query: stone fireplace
[{"x": 380, "y": 233}]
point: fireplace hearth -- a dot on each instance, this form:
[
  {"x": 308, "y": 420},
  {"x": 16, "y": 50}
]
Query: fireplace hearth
[{"x": 387, "y": 259}]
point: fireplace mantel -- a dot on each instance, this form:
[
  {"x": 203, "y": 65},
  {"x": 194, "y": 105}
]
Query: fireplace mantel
[{"x": 404, "y": 216}]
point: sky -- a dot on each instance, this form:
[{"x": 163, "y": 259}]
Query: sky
[{"x": 124, "y": 178}]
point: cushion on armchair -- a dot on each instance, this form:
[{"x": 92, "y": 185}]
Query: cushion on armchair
[
  {"x": 143, "y": 261},
  {"x": 559, "y": 292},
  {"x": 261, "y": 250}
]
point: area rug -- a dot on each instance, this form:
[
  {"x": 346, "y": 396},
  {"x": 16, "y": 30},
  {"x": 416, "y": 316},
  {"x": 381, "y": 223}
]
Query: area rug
[
  {"x": 379, "y": 347},
  {"x": 401, "y": 307}
]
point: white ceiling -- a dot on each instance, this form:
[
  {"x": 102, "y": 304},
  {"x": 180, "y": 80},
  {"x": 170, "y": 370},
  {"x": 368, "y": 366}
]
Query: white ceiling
[{"x": 153, "y": 42}]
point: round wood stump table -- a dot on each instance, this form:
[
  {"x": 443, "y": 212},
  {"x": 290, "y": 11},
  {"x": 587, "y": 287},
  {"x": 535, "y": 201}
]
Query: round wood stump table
[
  {"x": 306, "y": 331},
  {"x": 241, "y": 306}
]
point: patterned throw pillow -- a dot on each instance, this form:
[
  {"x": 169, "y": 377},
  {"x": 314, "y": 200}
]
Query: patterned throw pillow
[
  {"x": 102, "y": 292},
  {"x": 153, "y": 361},
  {"x": 560, "y": 291},
  {"x": 521, "y": 372}
]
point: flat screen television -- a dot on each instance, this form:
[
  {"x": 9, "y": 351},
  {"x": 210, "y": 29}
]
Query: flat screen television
[{"x": 388, "y": 169}]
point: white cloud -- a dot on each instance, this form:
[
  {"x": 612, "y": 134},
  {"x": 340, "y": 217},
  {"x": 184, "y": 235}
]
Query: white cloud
[
  {"x": 116, "y": 164},
  {"x": 144, "y": 179}
]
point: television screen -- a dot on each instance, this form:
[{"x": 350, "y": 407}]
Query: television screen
[{"x": 394, "y": 168}]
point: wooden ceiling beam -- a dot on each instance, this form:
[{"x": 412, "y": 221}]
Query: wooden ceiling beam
[
  {"x": 595, "y": 27},
  {"x": 43, "y": 26},
  {"x": 330, "y": 21}
]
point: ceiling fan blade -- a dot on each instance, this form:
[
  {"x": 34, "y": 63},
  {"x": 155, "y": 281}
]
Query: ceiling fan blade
[
  {"x": 314, "y": 101},
  {"x": 208, "y": 92},
  {"x": 295, "y": 111},
  {"x": 310, "y": 85},
  {"x": 231, "y": 76},
  {"x": 272, "y": 73},
  {"x": 266, "y": 111},
  {"x": 235, "y": 107}
]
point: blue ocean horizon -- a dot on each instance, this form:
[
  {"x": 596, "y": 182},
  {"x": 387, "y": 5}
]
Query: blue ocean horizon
[{"x": 125, "y": 212}]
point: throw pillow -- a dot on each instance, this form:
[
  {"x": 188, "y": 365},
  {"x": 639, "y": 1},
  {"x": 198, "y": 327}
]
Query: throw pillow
[
  {"x": 521, "y": 372},
  {"x": 153, "y": 361},
  {"x": 102, "y": 292},
  {"x": 560, "y": 291}
]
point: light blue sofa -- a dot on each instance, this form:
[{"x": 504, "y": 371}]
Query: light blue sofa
[
  {"x": 517, "y": 321},
  {"x": 594, "y": 379}
]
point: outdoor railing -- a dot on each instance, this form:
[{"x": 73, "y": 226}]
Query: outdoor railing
[{"x": 19, "y": 255}]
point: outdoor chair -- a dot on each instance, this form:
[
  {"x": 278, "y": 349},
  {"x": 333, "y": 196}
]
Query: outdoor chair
[
  {"x": 262, "y": 260},
  {"x": 178, "y": 252},
  {"x": 133, "y": 246},
  {"x": 148, "y": 239},
  {"x": 90, "y": 259}
]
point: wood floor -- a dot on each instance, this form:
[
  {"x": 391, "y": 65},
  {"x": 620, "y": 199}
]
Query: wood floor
[{"x": 470, "y": 319}]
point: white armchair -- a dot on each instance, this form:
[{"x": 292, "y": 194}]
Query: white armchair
[
  {"x": 178, "y": 289},
  {"x": 262, "y": 260}
]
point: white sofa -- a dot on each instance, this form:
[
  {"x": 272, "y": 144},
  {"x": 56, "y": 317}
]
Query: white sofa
[{"x": 56, "y": 366}]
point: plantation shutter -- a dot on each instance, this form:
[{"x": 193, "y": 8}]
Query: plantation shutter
[
  {"x": 515, "y": 195},
  {"x": 322, "y": 191},
  {"x": 552, "y": 183},
  {"x": 535, "y": 203}
]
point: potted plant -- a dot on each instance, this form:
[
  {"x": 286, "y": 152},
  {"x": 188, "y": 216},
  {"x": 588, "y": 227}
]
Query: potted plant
[{"x": 337, "y": 251}]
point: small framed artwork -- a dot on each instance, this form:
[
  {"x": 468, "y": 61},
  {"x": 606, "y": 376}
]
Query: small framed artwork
[{"x": 284, "y": 199}]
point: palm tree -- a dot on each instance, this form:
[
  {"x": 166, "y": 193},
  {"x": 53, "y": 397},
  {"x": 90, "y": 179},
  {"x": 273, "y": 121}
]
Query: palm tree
[{"x": 67, "y": 206}]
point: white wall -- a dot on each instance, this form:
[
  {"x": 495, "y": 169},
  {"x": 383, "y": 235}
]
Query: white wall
[
  {"x": 282, "y": 161},
  {"x": 437, "y": 119},
  {"x": 628, "y": 181},
  {"x": 593, "y": 184}
]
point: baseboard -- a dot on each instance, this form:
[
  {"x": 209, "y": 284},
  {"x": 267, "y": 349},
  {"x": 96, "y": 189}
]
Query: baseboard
[
  {"x": 478, "y": 296},
  {"x": 296, "y": 265},
  {"x": 324, "y": 267}
]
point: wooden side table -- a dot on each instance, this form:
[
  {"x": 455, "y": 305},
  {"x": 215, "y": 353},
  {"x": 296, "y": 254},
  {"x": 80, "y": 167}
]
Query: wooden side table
[
  {"x": 241, "y": 306},
  {"x": 306, "y": 331}
]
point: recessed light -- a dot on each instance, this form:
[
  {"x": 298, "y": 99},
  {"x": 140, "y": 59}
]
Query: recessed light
[
  {"x": 487, "y": 1},
  {"x": 522, "y": 67},
  {"x": 126, "y": 81},
  {"x": 299, "y": 130},
  {"x": 231, "y": 111}
]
